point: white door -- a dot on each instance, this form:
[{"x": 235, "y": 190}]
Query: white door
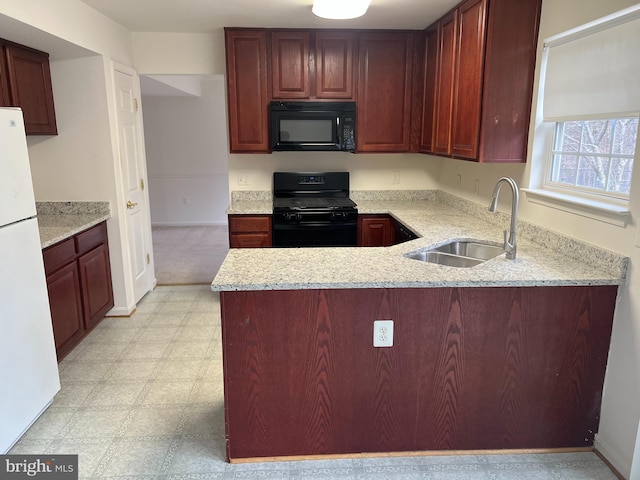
[{"x": 135, "y": 202}]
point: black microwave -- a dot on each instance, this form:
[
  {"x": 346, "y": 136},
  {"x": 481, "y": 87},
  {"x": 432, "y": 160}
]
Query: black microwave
[{"x": 313, "y": 126}]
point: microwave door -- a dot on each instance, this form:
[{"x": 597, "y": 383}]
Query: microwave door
[{"x": 306, "y": 131}]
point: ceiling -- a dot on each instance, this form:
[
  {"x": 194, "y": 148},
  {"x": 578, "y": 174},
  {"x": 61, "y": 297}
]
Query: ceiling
[{"x": 201, "y": 16}]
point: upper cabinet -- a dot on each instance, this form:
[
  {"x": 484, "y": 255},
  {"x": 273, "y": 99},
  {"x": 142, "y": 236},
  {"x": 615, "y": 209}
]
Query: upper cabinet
[
  {"x": 290, "y": 64},
  {"x": 247, "y": 90},
  {"x": 429, "y": 103},
  {"x": 334, "y": 65},
  {"x": 312, "y": 65},
  {"x": 385, "y": 62},
  {"x": 484, "y": 81},
  {"x": 25, "y": 82}
]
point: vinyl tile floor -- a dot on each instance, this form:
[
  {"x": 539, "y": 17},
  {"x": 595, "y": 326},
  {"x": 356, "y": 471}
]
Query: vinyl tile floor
[{"x": 142, "y": 399}]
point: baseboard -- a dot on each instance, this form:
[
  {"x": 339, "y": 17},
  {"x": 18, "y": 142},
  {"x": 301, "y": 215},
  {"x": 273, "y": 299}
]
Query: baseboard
[
  {"x": 189, "y": 224},
  {"x": 614, "y": 461},
  {"x": 121, "y": 311}
]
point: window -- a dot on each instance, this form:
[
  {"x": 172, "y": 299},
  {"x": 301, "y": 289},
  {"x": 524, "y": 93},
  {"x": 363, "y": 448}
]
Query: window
[
  {"x": 586, "y": 129},
  {"x": 594, "y": 156}
]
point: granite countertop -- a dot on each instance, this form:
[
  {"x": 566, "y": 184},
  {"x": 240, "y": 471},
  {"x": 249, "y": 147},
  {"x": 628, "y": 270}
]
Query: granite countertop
[
  {"x": 544, "y": 258},
  {"x": 58, "y": 221}
]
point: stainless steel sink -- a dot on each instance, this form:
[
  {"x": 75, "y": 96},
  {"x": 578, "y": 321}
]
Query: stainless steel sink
[{"x": 459, "y": 253}]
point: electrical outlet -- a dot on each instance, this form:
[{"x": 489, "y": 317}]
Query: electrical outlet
[
  {"x": 243, "y": 179},
  {"x": 383, "y": 333},
  {"x": 186, "y": 200},
  {"x": 477, "y": 187},
  {"x": 395, "y": 177}
]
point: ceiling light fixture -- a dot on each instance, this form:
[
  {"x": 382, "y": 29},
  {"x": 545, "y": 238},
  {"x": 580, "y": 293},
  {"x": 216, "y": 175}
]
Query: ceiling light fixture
[{"x": 340, "y": 9}]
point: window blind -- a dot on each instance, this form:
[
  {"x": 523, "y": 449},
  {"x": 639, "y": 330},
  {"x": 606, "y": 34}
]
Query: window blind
[{"x": 593, "y": 71}]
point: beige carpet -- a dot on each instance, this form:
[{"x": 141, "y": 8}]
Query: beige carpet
[{"x": 188, "y": 255}]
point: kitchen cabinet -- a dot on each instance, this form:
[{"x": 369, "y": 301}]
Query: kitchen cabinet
[
  {"x": 375, "y": 231},
  {"x": 446, "y": 54},
  {"x": 470, "y": 369},
  {"x": 25, "y": 82},
  {"x": 79, "y": 284},
  {"x": 385, "y": 63},
  {"x": 429, "y": 85},
  {"x": 247, "y": 90},
  {"x": 334, "y": 65},
  {"x": 312, "y": 64},
  {"x": 249, "y": 231},
  {"x": 484, "y": 81}
]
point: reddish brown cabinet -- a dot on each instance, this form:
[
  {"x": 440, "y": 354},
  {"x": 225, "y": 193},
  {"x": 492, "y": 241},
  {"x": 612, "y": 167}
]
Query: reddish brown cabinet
[
  {"x": 25, "y": 82},
  {"x": 484, "y": 81},
  {"x": 249, "y": 231},
  {"x": 247, "y": 90},
  {"x": 290, "y": 64},
  {"x": 65, "y": 298},
  {"x": 444, "y": 85},
  {"x": 469, "y": 369},
  {"x": 334, "y": 65},
  {"x": 384, "y": 91},
  {"x": 79, "y": 284},
  {"x": 312, "y": 64},
  {"x": 465, "y": 115},
  {"x": 429, "y": 86},
  {"x": 375, "y": 231}
]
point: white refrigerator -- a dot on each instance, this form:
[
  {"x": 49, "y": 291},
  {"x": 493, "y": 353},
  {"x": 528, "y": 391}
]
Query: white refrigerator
[{"x": 28, "y": 366}]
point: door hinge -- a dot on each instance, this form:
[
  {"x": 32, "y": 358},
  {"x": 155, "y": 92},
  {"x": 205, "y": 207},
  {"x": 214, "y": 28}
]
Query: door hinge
[
  {"x": 148, "y": 259},
  {"x": 142, "y": 184},
  {"x": 135, "y": 104}
]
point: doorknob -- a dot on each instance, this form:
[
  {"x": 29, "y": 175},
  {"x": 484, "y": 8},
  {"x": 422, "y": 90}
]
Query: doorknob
[{"x": 131, "y": 204}]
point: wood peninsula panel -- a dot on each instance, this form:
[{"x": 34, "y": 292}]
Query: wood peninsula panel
[{"x": 471, "y": 368}]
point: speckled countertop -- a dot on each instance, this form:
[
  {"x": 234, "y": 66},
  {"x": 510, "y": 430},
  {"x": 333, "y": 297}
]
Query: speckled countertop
[
  {"x": 543, "y": 257},
  {"x": 58, "y": 221}
]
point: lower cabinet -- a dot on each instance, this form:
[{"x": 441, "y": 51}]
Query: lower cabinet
[
  {"x": 79, "y": 285},
  {"x": 249, "y": 231},
  {"x": 375, "y": 231},
  {"x": 379, "y": 230}
]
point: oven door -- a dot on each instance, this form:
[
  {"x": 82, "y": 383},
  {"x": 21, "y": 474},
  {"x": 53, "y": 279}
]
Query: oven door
[{"x": 313, "y": 230}]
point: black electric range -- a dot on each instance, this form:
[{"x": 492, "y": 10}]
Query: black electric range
[{"x": 313, "y": 210}]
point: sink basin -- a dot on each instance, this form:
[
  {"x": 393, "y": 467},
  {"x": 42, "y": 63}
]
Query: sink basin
[
  {"x": 466, "y": 248},
  {"x": 459, "y": 253}
]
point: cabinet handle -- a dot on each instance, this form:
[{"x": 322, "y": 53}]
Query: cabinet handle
[{"x": 131, "y": 204}]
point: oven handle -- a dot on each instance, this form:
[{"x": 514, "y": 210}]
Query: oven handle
[{"x": 309, "y": 225}]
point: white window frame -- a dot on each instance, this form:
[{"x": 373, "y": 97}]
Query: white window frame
[
  {"x": 594, "y": 205},
  {"x": 597, "y": 195}
]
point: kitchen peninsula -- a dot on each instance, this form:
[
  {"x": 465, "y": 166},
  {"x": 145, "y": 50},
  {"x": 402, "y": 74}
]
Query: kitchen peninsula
[{"x": 510, "y": 354}]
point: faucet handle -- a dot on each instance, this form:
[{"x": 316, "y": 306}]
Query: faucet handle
[{"x": 505, "y": 234}]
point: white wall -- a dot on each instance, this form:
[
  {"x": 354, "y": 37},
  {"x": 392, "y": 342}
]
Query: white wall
[
  {"x": 368, "y": 172},
  {"x": 621, "y": 398},
  {"x": 81, "y": 163},
  {"x": 186, "y": 145},
  {"x": 179, "y": 53}
]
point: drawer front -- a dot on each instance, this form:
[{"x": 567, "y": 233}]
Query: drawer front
[
  {"x": 58, "y": 255},
  {"x": 91, "y": 238},
  {"x": 250, "y": 223}
]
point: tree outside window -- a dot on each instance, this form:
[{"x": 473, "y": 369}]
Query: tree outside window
[{"x": 595, "y": 156}]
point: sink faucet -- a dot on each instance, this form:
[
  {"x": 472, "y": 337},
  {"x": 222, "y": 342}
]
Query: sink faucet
[{"x": 510, "y": 243}]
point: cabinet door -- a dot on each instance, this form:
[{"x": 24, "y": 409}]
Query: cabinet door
[
  {"x": 250, "y": 240},
  {"x": 444, "y": 80},
  {"x": 429, "y": 100},
  {"x": 334, "y": 65},
  {"x": 376, "y": 231},
  {"x": 468, "y": 83},
  {"x": 510, "y": 59},
  {"x": 384, "y": 91},
  {"x": 95, "y": 277},
  {"x": 65, "y": 303},
  {"x": 290, "y": 65},
  {"x": 30, "y": 89},
  {"x": 5, "y": 101},
  {"x": 247, "y": 90}
]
